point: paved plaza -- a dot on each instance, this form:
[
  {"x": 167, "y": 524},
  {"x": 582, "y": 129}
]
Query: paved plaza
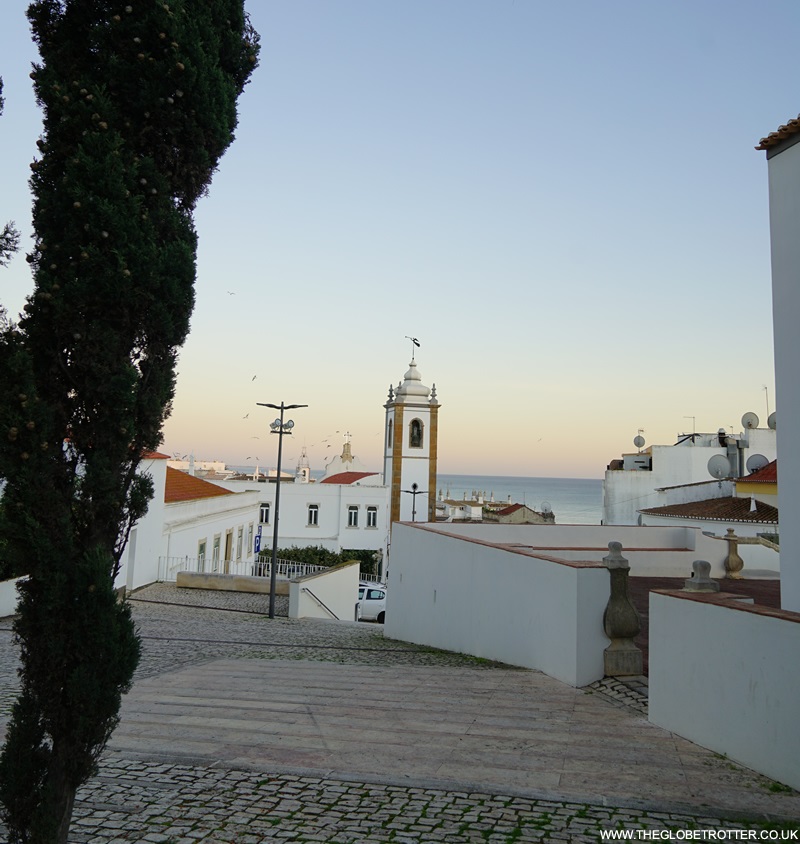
[{"x": 244, "y": 729}]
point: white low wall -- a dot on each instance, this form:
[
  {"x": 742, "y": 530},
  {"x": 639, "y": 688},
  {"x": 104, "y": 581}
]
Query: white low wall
[
  {"x": 652, "y": 551},
  {"x": 725, "y": 676},
  {"x": 336, "y": 588},
  {"x": 495, "y": 602},
  {"x": 8, "y": 597}
]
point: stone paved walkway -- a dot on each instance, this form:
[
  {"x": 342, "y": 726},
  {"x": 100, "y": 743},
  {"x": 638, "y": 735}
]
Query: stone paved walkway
[{"x": 242, "y": 729}]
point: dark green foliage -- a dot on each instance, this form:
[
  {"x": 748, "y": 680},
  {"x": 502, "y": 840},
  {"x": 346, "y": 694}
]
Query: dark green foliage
[
  {"x": 139, "y": 102},
  {"x": 319, "y": 556}
]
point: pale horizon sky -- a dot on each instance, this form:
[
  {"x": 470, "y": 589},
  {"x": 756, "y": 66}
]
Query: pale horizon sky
[{"x": 562, "y": 201}]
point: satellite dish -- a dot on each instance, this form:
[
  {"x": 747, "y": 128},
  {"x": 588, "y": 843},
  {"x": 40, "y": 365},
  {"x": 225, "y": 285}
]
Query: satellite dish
[
  {"x": 750, "y": 420},
  {"x": 756, "y": 462},
  {"x": 638, "y": 441},
  {"x": 719, "y": 467},
  {"x": 772, "y": 422},
  {"x": 546, "y": 508}
]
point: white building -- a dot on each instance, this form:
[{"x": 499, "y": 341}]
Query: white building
[
  {"x": 639, "y": 480},
  {"x": 189, "y": 519},
  {"x": 346, "y": 510},
  {"x": 783, "y": 163}
]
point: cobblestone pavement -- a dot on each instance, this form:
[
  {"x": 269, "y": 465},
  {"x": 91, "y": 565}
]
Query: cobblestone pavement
[
  {"x": 145, "y": 800},
  {"x": 178, "y": 804}
]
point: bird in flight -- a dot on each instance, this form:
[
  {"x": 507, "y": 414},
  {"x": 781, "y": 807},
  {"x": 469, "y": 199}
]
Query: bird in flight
[
  {"x": 253, "y": 378},
  {"x": 245, "y": 416}
]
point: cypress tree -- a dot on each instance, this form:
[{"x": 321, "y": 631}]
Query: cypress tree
[{"x": 139, "y": 104}]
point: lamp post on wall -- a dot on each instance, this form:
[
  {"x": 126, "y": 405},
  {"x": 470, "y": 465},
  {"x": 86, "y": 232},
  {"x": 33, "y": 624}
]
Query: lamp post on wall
[
  {"x": 280, "y": 428},
  {"x": 414, "y": 492}
]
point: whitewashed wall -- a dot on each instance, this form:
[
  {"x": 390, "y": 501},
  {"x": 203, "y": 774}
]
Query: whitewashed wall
[
  {"x": 726, "y": 678},
  {"x": 187, "y": 523},
  {"x": 8, "y": 597},
  {"x": 337, "y": 588},
  {"x": 758, "y": 559},
  {"x": 492, "y": 602},
  {"x": 140, "y": 558},
  {"x": 784, "y": 221},
  {"x": 653, "y": 551}
]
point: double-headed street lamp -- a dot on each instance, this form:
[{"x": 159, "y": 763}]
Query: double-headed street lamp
[{"x": 280, "y": 428}]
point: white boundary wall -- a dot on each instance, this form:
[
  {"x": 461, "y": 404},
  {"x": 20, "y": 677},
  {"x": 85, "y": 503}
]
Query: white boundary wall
[
  {"x": 337, "y": 588},
  {"x": 497, "y": 603},
  {"x": 9, "y": 597},
  {"x": 652, "y": 551},
  {"x": 724, "y": 675},
  {"x": 784, "y": 222}
]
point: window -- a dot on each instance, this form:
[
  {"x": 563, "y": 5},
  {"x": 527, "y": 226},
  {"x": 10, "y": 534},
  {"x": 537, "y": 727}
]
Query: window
[
  {"x": 352, "y": 516},
  {"x": 201, "y": 555},
  {"x": 264, "y": 514},
  {"x": 415, "y": 433},
  {"x": 239, "y": 542},
  {"x": 372, "y": 517},
  {"x": 389, "y": 434},
  {"x": 313, "y": 515},
  {"x": 215, "y": 554},
  {"x": 250, "y": 539}
]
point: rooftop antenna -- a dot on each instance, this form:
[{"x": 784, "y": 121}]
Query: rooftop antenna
[
  {"x": 766, "y": 398},
  {"x": 694, "y": 427},
  {"x": 414, "y": 345}
]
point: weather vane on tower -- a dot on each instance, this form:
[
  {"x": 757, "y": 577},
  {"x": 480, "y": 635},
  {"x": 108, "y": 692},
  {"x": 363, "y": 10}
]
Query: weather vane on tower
[{"x": 414, "y": 345}]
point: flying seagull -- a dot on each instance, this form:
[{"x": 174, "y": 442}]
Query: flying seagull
[{"x": 245, "y": 416}]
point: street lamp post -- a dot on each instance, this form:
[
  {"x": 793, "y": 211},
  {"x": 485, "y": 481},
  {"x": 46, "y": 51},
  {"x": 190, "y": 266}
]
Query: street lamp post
[
  {"x": 414, "y": 492},
  {"x": 280, "y": 428}
]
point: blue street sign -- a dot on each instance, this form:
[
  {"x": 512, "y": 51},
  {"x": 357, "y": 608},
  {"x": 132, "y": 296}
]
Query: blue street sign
[{"x": 258, "y": 543}]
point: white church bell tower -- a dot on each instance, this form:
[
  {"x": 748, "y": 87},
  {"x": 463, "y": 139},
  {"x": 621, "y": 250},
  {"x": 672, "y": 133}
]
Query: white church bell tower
[{"x": 410, "y": 448}]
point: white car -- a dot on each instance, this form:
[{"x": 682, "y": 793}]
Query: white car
[{"x": 372, "y": 602}]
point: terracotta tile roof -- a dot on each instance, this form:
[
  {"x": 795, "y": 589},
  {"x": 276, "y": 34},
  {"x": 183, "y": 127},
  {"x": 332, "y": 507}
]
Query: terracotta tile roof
[
  {"x": 718, "y": 510},
  {"x": 347, "y": 478},
  {"x": 512, "y": 508},
  {"x": 780, "y": 134},
  {"x": 183, "y": 487},
  {"x": 154, "y": 455},
  {"x": 765, "y": 475}
]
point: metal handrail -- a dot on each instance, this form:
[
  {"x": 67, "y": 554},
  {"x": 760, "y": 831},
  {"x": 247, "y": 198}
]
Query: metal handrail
[
  {"x": 321, "y": 603},
  {"x": 168, "y": 567}
]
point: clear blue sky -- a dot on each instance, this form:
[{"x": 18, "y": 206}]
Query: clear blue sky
[{"x": 561, "y": 200}]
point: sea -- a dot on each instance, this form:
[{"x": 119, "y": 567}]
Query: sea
[{"x": 574, "y": 501}]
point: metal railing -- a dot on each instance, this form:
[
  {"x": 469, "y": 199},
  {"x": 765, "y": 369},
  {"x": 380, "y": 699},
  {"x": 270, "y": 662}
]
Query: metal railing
[
  {"x": 168, "y": 568},
  {"x": 370, "y": 578}
]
